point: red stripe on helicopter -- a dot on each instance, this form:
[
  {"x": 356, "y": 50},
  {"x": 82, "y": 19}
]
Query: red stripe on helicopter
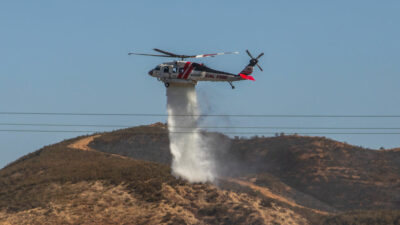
[
  {"x": 246, "y": 77},
  {"x": 184, "y": 70},
  {"x": 188, "y": 72}
]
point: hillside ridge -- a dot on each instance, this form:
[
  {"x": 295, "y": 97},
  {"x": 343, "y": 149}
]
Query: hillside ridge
[
  {"x": 82, "y": 144},
  {"x": 109, "y": 177}
]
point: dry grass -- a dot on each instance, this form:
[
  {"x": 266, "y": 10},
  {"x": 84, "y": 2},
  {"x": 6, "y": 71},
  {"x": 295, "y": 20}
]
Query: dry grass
[
  {"x": 61, "y": 184},
  {"x": 100, "y": 203},
  {"x": 267, "y": 193}
]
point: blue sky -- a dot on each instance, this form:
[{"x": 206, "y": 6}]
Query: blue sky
[{"x": 321, "y": 57}]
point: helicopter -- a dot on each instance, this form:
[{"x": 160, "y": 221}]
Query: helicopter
[{"x": 185, "y": 72}]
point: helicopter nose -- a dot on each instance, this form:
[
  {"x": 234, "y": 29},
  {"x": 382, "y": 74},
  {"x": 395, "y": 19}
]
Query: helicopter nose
[{"x": 151, "y": 72}]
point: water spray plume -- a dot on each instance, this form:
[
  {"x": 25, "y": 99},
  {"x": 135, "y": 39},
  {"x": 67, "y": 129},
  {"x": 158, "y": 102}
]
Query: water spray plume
[{"x": 191, "y": 157}]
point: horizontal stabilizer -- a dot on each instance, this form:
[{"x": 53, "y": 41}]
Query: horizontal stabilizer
[{"x": 246, "y": 77}]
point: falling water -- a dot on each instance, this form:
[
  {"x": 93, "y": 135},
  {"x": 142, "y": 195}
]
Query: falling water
[{"x": 191, "y": 157}]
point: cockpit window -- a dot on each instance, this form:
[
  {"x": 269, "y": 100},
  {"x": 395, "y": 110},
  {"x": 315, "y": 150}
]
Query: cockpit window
[
  {"x": 166, "y": 69},
  {"x": 157, "y": 68},
  {"x": 174, "y": 69}
]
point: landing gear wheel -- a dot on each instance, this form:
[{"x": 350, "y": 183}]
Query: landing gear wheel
[
  {"x": 233, "y": 87},
  {"x": 166, "y": 84}
]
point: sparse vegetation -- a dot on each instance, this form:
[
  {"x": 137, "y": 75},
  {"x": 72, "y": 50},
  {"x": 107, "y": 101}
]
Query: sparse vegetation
[
  {"x": 378, "y": 217},
  {"x": 314, "y": 172},
  {"x": 150, "y": 143},
  {"x": 23, "y": 183},
  {"x": 343, "y": 176}
]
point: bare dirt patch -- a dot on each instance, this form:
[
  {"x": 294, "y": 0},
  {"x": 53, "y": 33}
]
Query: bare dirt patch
[{"x": 82, "y": 144}]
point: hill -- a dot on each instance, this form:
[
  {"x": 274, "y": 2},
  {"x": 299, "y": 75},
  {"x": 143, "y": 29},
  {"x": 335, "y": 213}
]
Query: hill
[
  {"x": 343, "y": 176},
  {"x": 123, "y": 177}
]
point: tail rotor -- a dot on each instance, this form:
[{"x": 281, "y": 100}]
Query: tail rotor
[{"x": 254, "y": 61}]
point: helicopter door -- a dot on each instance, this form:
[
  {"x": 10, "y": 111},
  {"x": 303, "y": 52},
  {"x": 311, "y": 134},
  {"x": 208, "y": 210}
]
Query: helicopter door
[
  {"x": 175, "y": 71},
  {"x": 166, "y": 71}
]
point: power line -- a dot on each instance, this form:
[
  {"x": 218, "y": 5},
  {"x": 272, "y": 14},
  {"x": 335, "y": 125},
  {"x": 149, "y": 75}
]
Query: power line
[
  {"x": 201, "y": 115},
  {"x": 301, "y": 128},
  {"x": 51, "y": 131},
  {"x": 202, "y": 127},
  {"x": 82, "y": 114},
  {"x": 183, "y": 132},
  {"x": 63, "y": 125}
]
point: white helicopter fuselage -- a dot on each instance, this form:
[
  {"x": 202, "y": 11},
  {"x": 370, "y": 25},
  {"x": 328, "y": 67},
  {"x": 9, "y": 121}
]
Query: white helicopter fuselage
[{"x": 190, "y": 73}]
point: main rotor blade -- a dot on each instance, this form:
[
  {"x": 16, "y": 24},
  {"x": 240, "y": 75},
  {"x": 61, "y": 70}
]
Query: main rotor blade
[
  {"x": 172, "y": 55},
  {"x": 212, "y": 55},
  {"x": 165, "y": 52},
  {"x": 259, "y": 56},
  {"x": 248, "y": 53},
  {"x": 259, "y": 67},
  {"x": 132, "y": 53}
]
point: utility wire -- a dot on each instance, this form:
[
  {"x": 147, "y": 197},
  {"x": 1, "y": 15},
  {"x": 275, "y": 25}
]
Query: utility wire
[
  {"x": 63, "y": 125},
  {"x": 202, "y": 127},
  {"x": 201, "y": 115},
  {"x": 183, "y": 132}
]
